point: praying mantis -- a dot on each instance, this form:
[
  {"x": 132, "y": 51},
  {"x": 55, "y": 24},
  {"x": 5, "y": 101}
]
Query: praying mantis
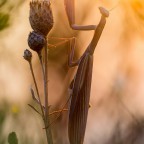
[{"x": 81, "y": 84}]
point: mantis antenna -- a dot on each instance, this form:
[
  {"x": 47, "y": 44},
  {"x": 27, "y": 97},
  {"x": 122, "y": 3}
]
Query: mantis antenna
[{"x": 114, "y": 6}]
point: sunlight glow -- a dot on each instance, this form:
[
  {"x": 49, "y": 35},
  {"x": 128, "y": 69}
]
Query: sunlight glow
[{"x": 138, "y": 8}]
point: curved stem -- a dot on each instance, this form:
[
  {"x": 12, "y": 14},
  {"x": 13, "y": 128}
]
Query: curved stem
[
  {"x": 35, "y": 83},
  {"x": 42, "y": 66}
]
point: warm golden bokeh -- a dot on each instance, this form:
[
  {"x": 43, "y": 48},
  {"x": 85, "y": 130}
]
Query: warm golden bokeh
[{"x": 117, "y": 94}]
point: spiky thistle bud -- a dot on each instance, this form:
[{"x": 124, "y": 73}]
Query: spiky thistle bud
[
  {"x": 41, "y": 18},
  {"x": 27, "y": 55},
  {"x": 36, "y": 41}
]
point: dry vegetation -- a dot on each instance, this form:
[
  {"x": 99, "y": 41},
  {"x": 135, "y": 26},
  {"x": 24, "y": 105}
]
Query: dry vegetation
[{"x": 116, "y": 115}]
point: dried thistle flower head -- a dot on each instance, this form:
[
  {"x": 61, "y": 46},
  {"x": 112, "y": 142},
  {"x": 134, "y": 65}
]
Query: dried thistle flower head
[
  {"x": 36, "y": 41},
  {"x": 27, "y": 55},
  {"x": 41, "y": 18}
]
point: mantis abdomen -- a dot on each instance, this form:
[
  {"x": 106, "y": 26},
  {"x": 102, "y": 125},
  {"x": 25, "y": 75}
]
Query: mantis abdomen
[{"x": 80, "y": 100}]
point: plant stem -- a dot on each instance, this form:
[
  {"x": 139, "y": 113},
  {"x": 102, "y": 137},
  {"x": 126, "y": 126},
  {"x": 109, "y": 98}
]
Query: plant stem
[
  {"x": 35, "y": 83},
  {"x": 47, "y": 120}
]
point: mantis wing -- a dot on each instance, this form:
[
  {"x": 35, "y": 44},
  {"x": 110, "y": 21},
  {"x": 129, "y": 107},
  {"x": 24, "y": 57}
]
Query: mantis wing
[
  {"x": 80, "y": 101},
  {"x": 70, "y": 10}
]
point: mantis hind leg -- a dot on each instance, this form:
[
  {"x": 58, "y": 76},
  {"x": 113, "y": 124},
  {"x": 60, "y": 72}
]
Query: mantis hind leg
[
  {"x": 60, "y": 41},
  {"x": 72, "y": 45},
  {"x": 72, "y": 63}
]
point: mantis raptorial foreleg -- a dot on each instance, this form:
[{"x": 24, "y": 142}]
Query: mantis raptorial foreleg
[{"x": 70, "y": 10}]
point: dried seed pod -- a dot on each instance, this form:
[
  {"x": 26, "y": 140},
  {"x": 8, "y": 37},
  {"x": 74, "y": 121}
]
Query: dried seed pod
[
  {"x": 27, "y": 55},
  {"x": 36, "y": 41},
  {"x": 41, "y": 18}
]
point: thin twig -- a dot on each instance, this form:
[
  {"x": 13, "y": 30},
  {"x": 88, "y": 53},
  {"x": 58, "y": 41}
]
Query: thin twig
[
  {"x": 35, "y": 83},
  {"x": 35, "y": 99}
]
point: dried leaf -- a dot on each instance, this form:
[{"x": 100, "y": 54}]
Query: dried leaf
[{"x": 34, "y": 109}]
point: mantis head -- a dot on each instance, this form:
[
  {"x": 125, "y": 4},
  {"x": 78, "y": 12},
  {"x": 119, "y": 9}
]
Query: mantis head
[{"x": 104, "y": 12}]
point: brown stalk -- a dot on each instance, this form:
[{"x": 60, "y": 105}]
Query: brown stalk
[
  {"x": 47, "y": 120},
  {"x": 35, "y": 83}
]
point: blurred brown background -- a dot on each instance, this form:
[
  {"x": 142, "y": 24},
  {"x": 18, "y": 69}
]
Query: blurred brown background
[{"x": 117, "y": 94}]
